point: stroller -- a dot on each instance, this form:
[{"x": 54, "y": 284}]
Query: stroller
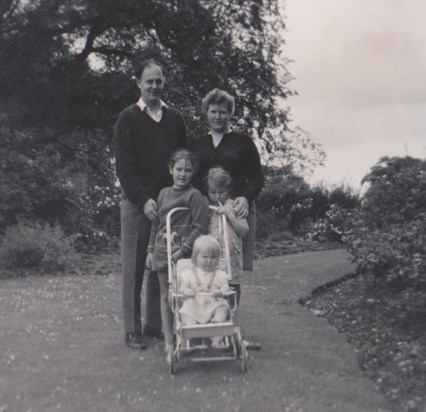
[{"x": 194, "y": 342}]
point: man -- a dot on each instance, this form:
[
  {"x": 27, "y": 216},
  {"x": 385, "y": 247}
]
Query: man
[{"x": 146, "y": 133}]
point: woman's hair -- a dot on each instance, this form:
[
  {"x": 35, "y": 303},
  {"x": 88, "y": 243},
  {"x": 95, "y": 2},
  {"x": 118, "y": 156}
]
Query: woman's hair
[
  {"x": 217, "y": 96},
  {"x": 185, "y": 155},
  {"x": 219, "y": 177},
  {"x": 141, "y": 66},
  {"x": 205, "y": 243}
]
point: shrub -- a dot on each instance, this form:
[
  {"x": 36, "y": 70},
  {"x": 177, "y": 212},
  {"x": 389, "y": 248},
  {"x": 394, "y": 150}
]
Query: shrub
[
  {"x": 394, "y": 257},
  {"x": 53, "y": 178},
  {"x": 288, "y": 203},
  {"x": 396, "y": 192},
  {"x": 30, "y": 245},
  {"x": 330, "y": 228},
  {"x": 387, "y": 237}
]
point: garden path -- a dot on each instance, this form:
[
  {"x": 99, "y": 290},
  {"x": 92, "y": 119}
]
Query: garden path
[{"x": 62, "y": 348}]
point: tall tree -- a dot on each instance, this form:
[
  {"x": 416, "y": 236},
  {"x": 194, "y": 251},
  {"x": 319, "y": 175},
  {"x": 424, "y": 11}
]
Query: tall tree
[{"x": 66, "y": 70}]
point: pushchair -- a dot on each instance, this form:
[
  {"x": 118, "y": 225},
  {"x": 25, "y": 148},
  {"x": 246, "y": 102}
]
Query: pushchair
[{"x": 193, "y": 343}]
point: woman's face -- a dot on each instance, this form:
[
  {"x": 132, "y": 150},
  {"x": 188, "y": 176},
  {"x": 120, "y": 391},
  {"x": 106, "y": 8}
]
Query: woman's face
[{"x": 218, "y": 117}]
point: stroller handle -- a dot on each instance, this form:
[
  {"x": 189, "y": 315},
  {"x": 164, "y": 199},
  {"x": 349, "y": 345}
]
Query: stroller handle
[{"x": 224, "y": 233}]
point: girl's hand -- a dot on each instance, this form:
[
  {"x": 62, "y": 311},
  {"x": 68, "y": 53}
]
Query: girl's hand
[
  {"x": 217, "y": 294},
  {"x": 220, "y": 209},
  {"x": 148, "y": 262}
]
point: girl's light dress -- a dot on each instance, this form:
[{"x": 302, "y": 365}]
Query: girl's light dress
[
  {"x": 235, "y": 244},
  {"x": 202, "y": 306}
]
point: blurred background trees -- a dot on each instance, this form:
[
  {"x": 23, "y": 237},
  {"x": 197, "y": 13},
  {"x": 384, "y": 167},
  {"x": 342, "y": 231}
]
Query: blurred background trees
[{"x": 66, "y": 72}]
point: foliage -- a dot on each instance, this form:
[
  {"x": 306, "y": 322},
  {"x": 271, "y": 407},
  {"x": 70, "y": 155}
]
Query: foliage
[
  {"x": 330, "y": 228},
  {"x": 394, "y": 256},
  {"x": 387, "y": 237},
  {"x": 39, "y": 180},
  {"x": 287, "y": 202},
  {"x": 37, "y": 246},
  {"x": 67, "y": 71},
  {"x": 70, "y": 63},
  {"x": 397, "y": 191}
]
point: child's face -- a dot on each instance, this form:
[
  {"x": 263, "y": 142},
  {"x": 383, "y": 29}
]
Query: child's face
[
  {"x": 182, "y": 172},
  {"x": 206, "y": 261},
  {"x": 217, "y": 194}
]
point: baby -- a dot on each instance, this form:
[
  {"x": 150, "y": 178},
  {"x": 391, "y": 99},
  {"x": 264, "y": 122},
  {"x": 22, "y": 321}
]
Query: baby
[{"x": 203, "y": 285}]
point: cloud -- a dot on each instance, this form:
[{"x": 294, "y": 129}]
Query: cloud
[{"x": 359, "y": 69}]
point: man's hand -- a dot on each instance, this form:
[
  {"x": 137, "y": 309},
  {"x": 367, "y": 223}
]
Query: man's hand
[
  {"x": 150, "y": 210},
  {"x": 177, "y": 255},
  {"x": 241, "y": 207},
  {"x": 148, "y": 262}
]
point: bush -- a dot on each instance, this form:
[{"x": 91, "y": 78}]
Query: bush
[
  {"x": 394, "y": 257},
  {"x": 32, "y": 245},
  {"x": 330, "y": 228},
  {"x": 56, "y": 179},
  {"x": 288, "y": 204},
  {"x": 397, "y": 191},
  {"x": 387, "y": 237}
]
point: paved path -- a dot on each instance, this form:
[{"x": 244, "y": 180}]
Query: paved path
[
  {"x": 61, "y": 349},
  {"x": 318, "y": 367}
]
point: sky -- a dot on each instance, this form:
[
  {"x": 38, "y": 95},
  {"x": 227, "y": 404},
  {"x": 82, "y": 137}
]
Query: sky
[{"x": 359, "y": 68}]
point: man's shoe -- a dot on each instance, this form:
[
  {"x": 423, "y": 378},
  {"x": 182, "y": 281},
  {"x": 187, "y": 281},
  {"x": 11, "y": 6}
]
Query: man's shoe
[
  {"x": 134, "y": 341},
  {"x": 153, "y": 333}
]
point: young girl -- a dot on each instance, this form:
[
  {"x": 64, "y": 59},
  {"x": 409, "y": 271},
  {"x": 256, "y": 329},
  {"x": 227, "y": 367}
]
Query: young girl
[
  {"x": 186, "y": 226},
  {"x": 218, "y": 189},
  {"x": 203, "y": 285}
]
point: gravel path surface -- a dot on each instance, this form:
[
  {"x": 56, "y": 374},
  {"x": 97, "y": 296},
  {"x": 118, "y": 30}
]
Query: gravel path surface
[{"x": 62, "y": 348}]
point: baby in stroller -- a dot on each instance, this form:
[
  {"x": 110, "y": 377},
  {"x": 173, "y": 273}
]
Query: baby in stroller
[
  {"x": 203, "y": 305},
  {"x": 203, "y": 285}
]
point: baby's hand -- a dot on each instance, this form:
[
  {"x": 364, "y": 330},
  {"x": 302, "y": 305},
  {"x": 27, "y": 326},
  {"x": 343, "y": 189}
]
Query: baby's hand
[{"x": 188, "y": 294}]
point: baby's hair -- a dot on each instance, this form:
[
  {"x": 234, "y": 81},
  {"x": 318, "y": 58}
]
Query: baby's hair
[
  {"x": 205, "y": 243},
  {"x": 185, "y": 155},
  {"x": 219, "y": 177}
]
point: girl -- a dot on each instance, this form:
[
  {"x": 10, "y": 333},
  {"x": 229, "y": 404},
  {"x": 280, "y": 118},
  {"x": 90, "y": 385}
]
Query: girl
[
  {"x": 185, "y": 227},
  {"x": 218, "y": 189},
  {"x": 203, "y": 285}
]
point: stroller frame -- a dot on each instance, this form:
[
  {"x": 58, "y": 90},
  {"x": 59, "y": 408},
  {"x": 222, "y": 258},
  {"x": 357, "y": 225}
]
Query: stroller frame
[{"x": 192, "y": 342}]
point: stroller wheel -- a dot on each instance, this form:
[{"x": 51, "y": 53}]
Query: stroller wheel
[
  {"x": 236, "y": 345},
  {"x": 171, "y": 360},
  {"x": 244, "y": 357}
]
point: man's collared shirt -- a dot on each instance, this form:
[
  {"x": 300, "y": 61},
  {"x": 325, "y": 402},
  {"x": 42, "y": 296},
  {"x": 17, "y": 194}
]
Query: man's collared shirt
[{"x": 154, "y": 116}]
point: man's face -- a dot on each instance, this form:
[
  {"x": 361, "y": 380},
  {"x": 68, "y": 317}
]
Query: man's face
[{"x": 151, "y": 84}]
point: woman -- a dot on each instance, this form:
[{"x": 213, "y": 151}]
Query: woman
[{"x": 234, "y": 152}]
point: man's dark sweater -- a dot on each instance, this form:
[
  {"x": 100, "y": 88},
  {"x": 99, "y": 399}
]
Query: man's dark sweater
[{"x": 143, "y": 148}]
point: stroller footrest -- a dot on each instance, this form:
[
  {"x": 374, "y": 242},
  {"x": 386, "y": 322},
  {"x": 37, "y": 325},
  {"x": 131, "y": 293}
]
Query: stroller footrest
[{"x": 207, "y": 330}]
